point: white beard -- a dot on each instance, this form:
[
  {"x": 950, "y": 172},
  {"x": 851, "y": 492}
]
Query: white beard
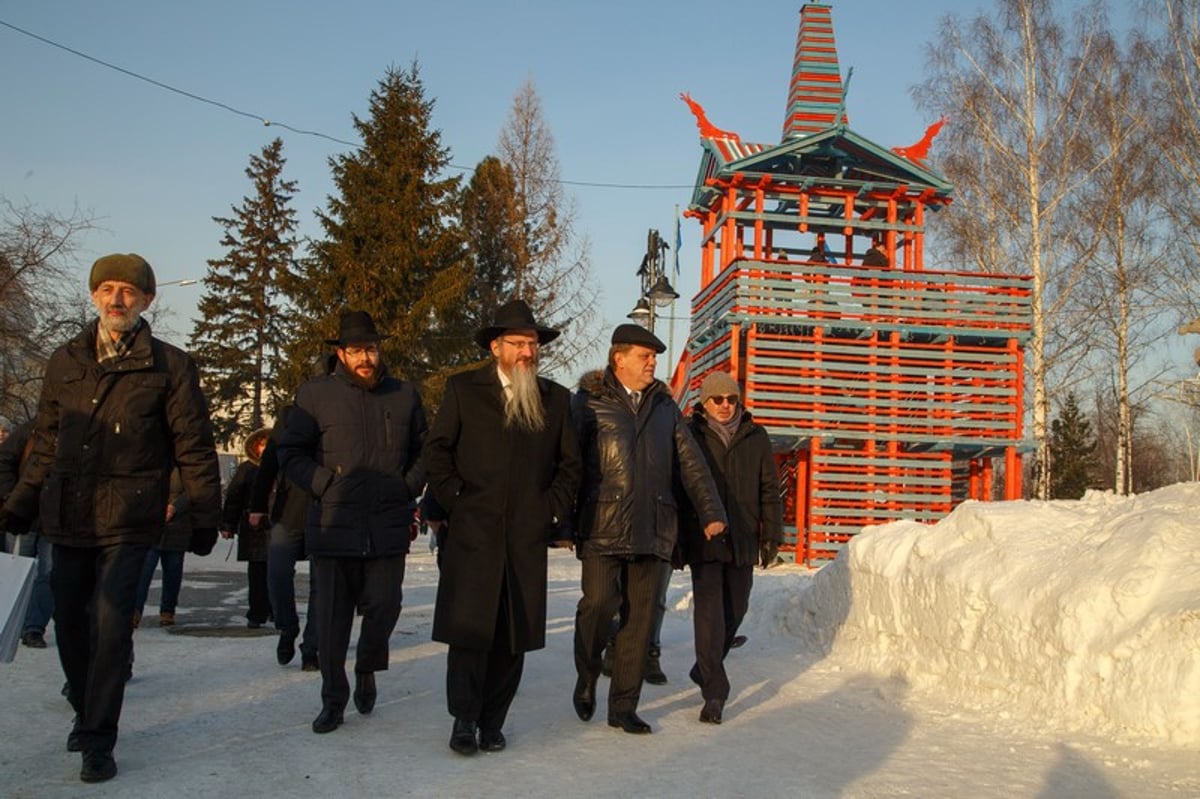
[{"x": 524, "y": 407}]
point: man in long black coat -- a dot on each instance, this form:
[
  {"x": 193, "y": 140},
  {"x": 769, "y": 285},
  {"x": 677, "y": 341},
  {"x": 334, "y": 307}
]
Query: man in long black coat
[{"x": 503, "y": 465}]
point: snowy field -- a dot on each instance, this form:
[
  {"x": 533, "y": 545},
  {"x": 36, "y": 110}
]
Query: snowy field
[{"x": 1014, "y": 650}]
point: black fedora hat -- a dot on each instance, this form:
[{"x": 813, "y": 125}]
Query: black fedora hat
[
  {"x": 356, "y": 327},
  {"x": 514, "y": 315}
]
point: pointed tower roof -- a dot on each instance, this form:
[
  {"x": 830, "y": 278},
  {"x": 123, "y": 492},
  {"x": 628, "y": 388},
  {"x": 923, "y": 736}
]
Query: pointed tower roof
[{"x": 815, "y": 93}]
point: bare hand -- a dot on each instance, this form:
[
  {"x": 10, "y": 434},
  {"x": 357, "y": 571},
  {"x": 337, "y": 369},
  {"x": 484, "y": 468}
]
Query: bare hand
[
  {"x": 227, "y": 534},
  {"x": 563, "y": 543},
  {"x": 713, "y": 529},
  {"x": 256, "y": 519},
  {"x": 170, "y": 512}
]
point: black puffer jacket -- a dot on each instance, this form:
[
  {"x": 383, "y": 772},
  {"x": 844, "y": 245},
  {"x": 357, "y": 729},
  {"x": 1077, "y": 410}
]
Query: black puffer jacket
[
  {"x": 106, "y": 437},
  {"x": 272, "y": 493},
  {"x": 748, "y": 482},
  {"x": 633, "y": 464},
  {"x": 357, "y": 451}
]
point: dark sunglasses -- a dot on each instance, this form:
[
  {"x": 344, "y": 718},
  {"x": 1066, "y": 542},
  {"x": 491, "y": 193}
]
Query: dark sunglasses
[{"x": 721, "y": 400}]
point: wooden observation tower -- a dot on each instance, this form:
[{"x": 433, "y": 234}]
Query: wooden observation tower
[{"x": 889, "y": 390}]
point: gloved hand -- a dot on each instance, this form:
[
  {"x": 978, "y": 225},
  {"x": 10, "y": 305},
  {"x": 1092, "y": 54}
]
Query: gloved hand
[
  {"x": 203, "y": 540},
  {"x": 768, "y": 552},
  {"x": 11, "y": 523}
]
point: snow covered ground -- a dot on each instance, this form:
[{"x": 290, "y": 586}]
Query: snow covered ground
[{"x": 1014, "y": 650}]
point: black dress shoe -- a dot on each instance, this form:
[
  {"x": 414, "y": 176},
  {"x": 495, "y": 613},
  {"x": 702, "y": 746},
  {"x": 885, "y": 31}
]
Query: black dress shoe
[
  {"x": 738, "y": 640},
  {"x": 309, "y": 663},
  {"x": 98, "y": 766},
  {"x": 286, "y": 650},
  {"x": 364, "y": 691},
  {"x": 492, "y": 740},
  {"x": 694, "y": 674},
  {"x": 328, "y": 721},
  {"x": 629, "y": 722},
  {"x": 462, "y": 737},
  {"x": 585, "y": 698},
  {"x": 711, "y": 713}
]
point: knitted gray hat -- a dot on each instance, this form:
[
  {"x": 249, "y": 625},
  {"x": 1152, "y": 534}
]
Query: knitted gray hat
[{"x": 719, "y": 384}]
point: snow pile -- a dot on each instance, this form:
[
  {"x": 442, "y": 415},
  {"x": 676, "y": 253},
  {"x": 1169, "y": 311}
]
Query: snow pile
[{"x": 1084, "y": 614}]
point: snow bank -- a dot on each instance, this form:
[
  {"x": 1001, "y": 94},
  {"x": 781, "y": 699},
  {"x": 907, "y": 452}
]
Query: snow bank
[{"x": 1080, "y": 613}]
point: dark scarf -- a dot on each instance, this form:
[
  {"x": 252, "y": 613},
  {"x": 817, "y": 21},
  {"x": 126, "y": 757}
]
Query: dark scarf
[{"x": 725, "y": 430}]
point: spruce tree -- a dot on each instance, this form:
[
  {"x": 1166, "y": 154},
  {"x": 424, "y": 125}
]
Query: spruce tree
[
  {"x": 391, "y": 245},
  {"x": 1073, "y": 452},
  {"x": 245, "y": 320},
  {"x": 495, "y": 237}
]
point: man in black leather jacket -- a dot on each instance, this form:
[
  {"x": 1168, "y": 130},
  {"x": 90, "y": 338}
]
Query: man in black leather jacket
[{"x": 636, "y": 451}]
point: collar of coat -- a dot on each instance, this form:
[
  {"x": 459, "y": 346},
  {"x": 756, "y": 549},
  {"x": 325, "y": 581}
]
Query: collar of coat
[
  {"x": 140, "y": 354},
  {"x": 700, "y": 422},
  {"x": 614, "y": 390}
]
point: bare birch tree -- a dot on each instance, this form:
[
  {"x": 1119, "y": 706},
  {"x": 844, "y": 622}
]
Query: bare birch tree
[
  {"x": 1128, "y": 271},
  {"x": 1013, "y": 84},
  {"x": 553, "y": 264}
]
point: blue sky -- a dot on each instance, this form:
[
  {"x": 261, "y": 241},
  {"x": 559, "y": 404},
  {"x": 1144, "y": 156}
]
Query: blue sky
[{"x": 154, "y": 167}]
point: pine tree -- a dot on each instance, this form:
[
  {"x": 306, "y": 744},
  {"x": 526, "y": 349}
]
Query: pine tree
[
  {"x": 392, "y": 246},
  {"x": 1072, "y": 452},
  {"x": 245, "y": 319},
  {"x": 493, "y": 228}
]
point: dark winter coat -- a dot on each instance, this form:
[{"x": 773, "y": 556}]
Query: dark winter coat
[
  {"x": 634, "y": 463},
  {"x": 12, "y": 452},
  {"x": 505, "y": 493},
  {"x": 251, "y": 541},
  {"x": 748, "y": 482},
  {"x": 357, "y": 452},
  {"x": 106, "y": 438},
  {"x": 285, "y": 503},
  {"x": 14, "y": 457},
  {"x": 178, "y": 532}
]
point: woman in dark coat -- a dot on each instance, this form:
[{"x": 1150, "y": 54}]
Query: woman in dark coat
[
  {"x": 739, "y": 455},
  {"x": 252, "y": 540}
]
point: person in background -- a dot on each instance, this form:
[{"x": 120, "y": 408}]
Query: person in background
[
  {"x": 636, "y": 449},
  {"x": 117, "y": 408},
  {"x": 252, "y": 539},
  {"x": 876, "y": 255},
  {"x": 288, "y": 511},
  {"x": 14, "y": 454},
  {"x": 739, "y": 455},
  {"x": 820, "y": 252},
  {"x": 353, "y": 441},
  {"x": 170, "y": 550},
  {"x": 503, "y": 467}
]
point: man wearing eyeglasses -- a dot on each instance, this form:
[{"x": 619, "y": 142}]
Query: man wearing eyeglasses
[
  {"x": 738, "y": 451},
  {"x": 353, "y": 441},
  {"x": 503, "y": 469},
  {"x": 636, "y": 448}
]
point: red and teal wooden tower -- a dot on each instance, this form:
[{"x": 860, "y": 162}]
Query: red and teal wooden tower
[{"x": 890, "y": 390}]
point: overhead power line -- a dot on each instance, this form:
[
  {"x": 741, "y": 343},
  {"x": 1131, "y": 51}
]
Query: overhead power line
[{"x": 270, "y": 122}]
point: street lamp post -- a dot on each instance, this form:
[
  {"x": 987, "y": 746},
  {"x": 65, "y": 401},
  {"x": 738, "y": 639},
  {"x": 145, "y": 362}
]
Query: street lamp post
[{"x": 656, "y": 290}]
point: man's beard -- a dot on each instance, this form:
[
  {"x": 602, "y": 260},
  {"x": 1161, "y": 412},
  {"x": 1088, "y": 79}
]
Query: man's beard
[
  {"x": 365, "y": 382},
  {"x": 120, "y": 324},
  {"x": 524, "y": 407}
]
